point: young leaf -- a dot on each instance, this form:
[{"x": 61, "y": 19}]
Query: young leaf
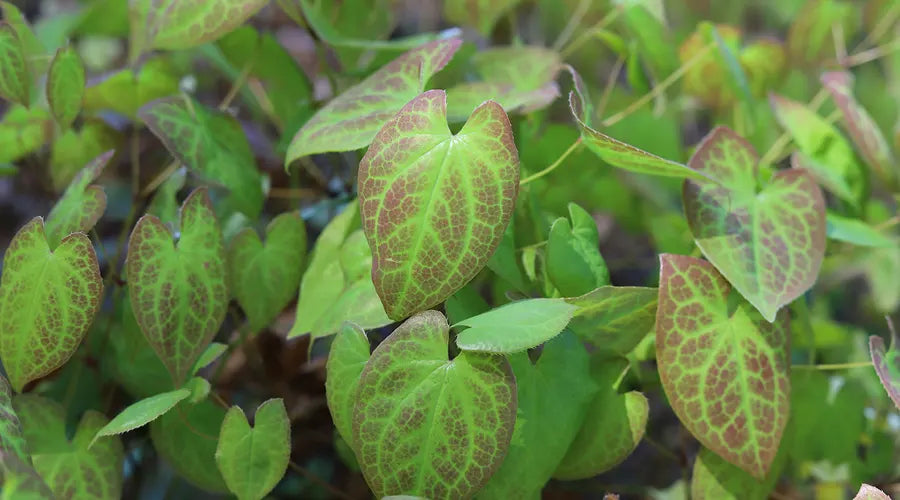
[
  {"x": 867, "y": 492},
  {"x": 211, "y": 354},
  {"x": 855, "y": 231},
  {"x": 73, "y": 149},
  {"x": 48, "y": 299},
  {"x": 515, "y": 327},
  {"x": 416, "y": 182},
  {"x": 614, "y": 318},
  {"x": 574, "y": 263},
  {"x": 142, "y": 413},
  {"x": 351, "y": 120},
  {"x": 81, "y": 206},
  {"x": 72, "y": 469},
  {"x": 334, "y": 290},
  {"x": 127, "y": 90},
  {"x": 12, "y": 440},
  {"x": 264, "y": 278},
  {"x": 887, "y": 365},
  {"x": 346, "y": 360},
  {"x": 210, "y": 143},
  {"x": 480, "y": 14},
  {"x": 612, "y": 427},
  {"x": 768, "y": 244},
  {"x": 187, "y": 438},
  {"x": 15, "y": 76},
  {"x": 178, "y": 292},
  {"x": 199, "y": 388},
  {"x": 23, "y": 130},
  {"x": 253, "y": 460},
  {"x": 427, "y": 426},
  {"x": 65, "y": 86},
  {"x": 715, "y": 479},
  {"x": 723, "y": 366}
]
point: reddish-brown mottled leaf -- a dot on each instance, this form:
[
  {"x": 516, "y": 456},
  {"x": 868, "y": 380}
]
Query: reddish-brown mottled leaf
[
  {"x": 887, "y": 364},
  {"x": 81, "y": 206}
]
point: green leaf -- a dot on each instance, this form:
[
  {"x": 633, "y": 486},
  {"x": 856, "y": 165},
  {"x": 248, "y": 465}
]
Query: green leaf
[
  {"x": 23, "y": 130},
  {"x": 614, "y": 318},
  {"x": 612, "y": 427},
  {"x": 48, "y": 299},
  {"x": 253, "y": 460},
  {"x": 210, "y": 143},
  {"x": 12, "y": 440},
  {"x": 142, "y": 413},
  {"x": 73, "y": 469},
  {"x": 768, "y": 243},
  {"x": 867, "y": 492},
  {"x": 187, "y": 438},
  {"x": 881, "y": 267},
  {"x": 887, "y": 365},
  {"x": 127, "y": 90},
  {"x": 34, "y": 50},
  {"x": 346, "y": 360},
  {"x": 15, "y": 76},
  {"x": 199, "y": 388},
  {"x": 65, "y": 86},
  {"x": 73, "y": 149},
  {"x": 504, "y": 261},
  {"x": 178, "y": 292},
  {"x": 264, "y": 278},
  {"x": 825, "y": 152},
  {"x": 81, "y": 206},
  {"x": 869, "y": 140},
  {"x": 21, "y": 481},
  {"x": 416, "y": 182},
  {"x": 723, "y": 366},
  {"x": 574, "y": 263},
  {"x": 424, "y": 425},
  {"x": 515, "y": 327},
  {"x": 211, "y": 354},
  {"x": 182, "y": 24},
  {"x": 334, "y": 290},
  {"x": 165, "y": 201},
  {"x": 855, "y": 231},
  {"x": 715, "y": 479},
  {"x": 351, "y": 120},
  {"x": 480, "y": 14},
  {"x": 811, "y": 37},
  {"x": 553, "y": 395}
]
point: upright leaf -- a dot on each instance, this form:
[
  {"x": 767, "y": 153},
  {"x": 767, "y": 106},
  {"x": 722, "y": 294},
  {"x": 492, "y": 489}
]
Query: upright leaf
[
  {"x": 187, "y": 438},
  {"x": 769, "y": 243},
  {"x": 48, "y": 299},
  {"x": 346, "y": 360},
  {"x": 178, "y": 291},
  {"x": 15, "y": 76},
  {"x": 65, "y": 86},
  {"x": 887, "y": 364},
  {"x": 253, "y": 460},
  {"x": 264, "y": 278},
  {"x": 12, "y": 440},
  {"x": 435, "y": 205},
  {"x": 515, "y": 327},
  {"x": 574, "y": 264},
  {"x": 425, "y": 425},
  {"x": 142, "y": 413},
  {"x": 351, "y": 120},
  {"x": 126, "y": 91},
  {"x": 614, "y": 318},
  {"x": 480, "y": 14},
  {"x": 723, "y": 366},
  {"x": 81, "y": 206}
]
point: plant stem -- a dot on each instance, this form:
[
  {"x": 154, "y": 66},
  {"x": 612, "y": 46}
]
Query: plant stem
[
  {"x": 584, "y": 37},
  {"x": 610, "y": 85},
  {"x": 321, "y": 482},
  {"x": 553, "y": 165},
  {"x": 237, "y": 84},
  {"x": 159, "y": 179},
  {"x": 785, "y": 138},
  {"x": 573, "y": 23},
  {"x": 834, "y": 366},
  {"x": 872, "y": 54}
]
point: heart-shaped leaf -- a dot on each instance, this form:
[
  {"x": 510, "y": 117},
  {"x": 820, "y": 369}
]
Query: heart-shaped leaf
[
  {"x": 425, "y": 425},
  {"x": 178, "y": 292},
  {"x": 23, "y": 130},
  {"x": 71, "y": 469},
  {"x": 264, "y": 278},
  {"x": 334, "y": 290},
  {"x": 574, "y": 263},
  {"x": 253, "y": 460},
  {"x": 187, "y": 438},
  {"x": 142, "y": 413},
  {"x": 48, "y": 299},
  {"x": 65, "y": 86},
  {"x": 435, "y": 205},
  {"x": 127, "y": 90},
  {"x": 210, "y": 143},
  {"x": 15, "y": 76},
  {"x": 81, "y": 206},
  {"x": 480, "y": 14},
  {"x": 346, "y": 360},
  {"x": 12, "y": 440},
  {"x": 515, "y": 327},
  {"x": 614, "y": 318},
  {"x": 887, "y": 364},
  {"x": 768, "y": 243},
  {"x": 723, "y": 366},
  {"x": 351, "y": 120}
]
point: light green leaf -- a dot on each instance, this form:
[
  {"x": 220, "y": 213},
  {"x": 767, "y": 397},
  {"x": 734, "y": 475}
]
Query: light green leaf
[
  {"x": 73, "y": 469},
  {"x": 253, "y": 460},
  {"x": 264, "y": 278},
  {"x": 23, "y": 130},
  {"x": 21, "y": 481},
  {"x": 856, "y": 231},
  {"x": 614, "y": 318},
  {"x": 178, "y": 292},
  {"x": 73, "y": 149},
  {"x": 187, "y": 439},
  {"x": 887, "y": 364},
  {"x": 338, "y": 286},
  {"x": 351, "y": 120},
  {"x": 425, "y": 425},
  {"x": 127, "y": 90},
  {"x": 65, "y": 86},
  {"x": 515, "y": 327},
  {"x": 12, "y": 440},
  {"x": 504, "y": 261},
  {"x": 81, "y": 206},
  {"x": 211, "y": 354},
  {"x": 346, "y": 360},
  {"x": 210, "y": 143},
  {"x": 165, "y": 201},
  {"x": 35, "y": 52},
  {"x": 427, "y": 250},
  {"x": 15, "y": 76},
  {"x": 142, "y": 413},
  {"x": 199, "y": 388},
  {"x": 574, "y": 263},
  {"x": 715, "y": 479},
  {"x": 48, "y": 299},
  {"x": 480, "y": 14}
]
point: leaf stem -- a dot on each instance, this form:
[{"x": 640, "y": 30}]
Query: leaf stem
[
  {"x": 574, "y": 21},
  {"x": 872, "y": 54},
  {"x": 834, "y": 366},
  {"x": 610, "y": 84},
  {"x": 238, "y": 83},
  {"x": 584, "y": 37},
  {"x": 553, "y": 165},
  {"x": 316, "y": 479},
  {"x": 160, "y": 178}
]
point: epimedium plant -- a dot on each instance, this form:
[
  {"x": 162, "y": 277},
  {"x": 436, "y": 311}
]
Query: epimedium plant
[{"x": 479, "y": 344}]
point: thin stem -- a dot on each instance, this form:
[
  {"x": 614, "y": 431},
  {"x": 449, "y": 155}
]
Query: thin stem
[
  {"x": 662, "y": 449},
  {"x": 573, "y": 23},
  {"x": 237, "y": 84},
  {"x": 834, "y": 366},
  {"x": 553, "y": 165},
  {"x": 584, "y": 37},
  {"x": 610, "y": 85},
  {"x": 160, "y": 178},
  {"x": 893, "y": 221},
  {"x": 612, "y": 120},
  {"x": 873, "y": 54},
  {"x": 321, "y": 482},
  {"x": 883, "y": 25},
  {"x": 840, "y": 44},
  {"x": 292, "y": 193},
  {"x": 135, "y": 161}
]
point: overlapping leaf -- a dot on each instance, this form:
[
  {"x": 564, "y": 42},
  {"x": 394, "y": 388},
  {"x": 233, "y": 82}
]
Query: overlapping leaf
[
  {"x": 769, "y": 243},
  {"x": 264, "y": 278},
  {"x": 614, "y": 318},
  {"x": 73, "y": 149},
  {"x": 426, "y": 426},
  {"x": 515, "y": 327},
  {"x": 346, "y": 360},
  {"x": 15, "y": 76},
  {"x": 435, "y": 205},
  {"x": 723, "y": 366},
  {"x": 20, "y": 480},
  {"x": 351, "y": 120},
  {"x": 48, "y": 299},
  {"x": 574, "y": 264},
  {"x": 65, "y": 86},
  {"x": 480, "y": 14},
  {"x": 142, "y": 413},
  {"x": 23, "y": 130},
  {"x": 715, "y": 479},
  {"x": 187, "y": 438},
  {"x": 178, "y": 292},
  {"x": 887, "y": 365},
  {"x": 127, "y": 90},
  {"x": 81, "y": 206},
  {"x": 12, "y": 440}
]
